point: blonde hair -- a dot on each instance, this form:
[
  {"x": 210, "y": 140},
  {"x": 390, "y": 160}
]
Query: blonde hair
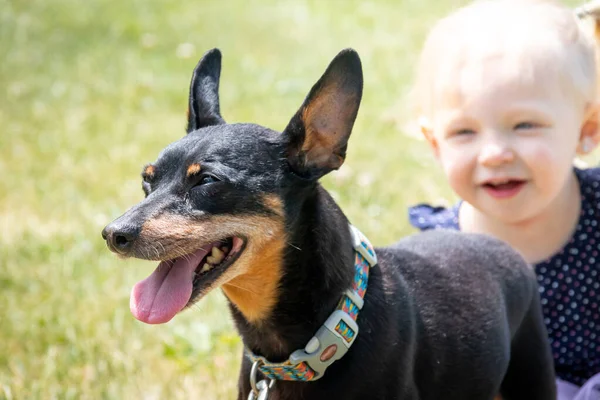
[{"x": 529, "y": 38}]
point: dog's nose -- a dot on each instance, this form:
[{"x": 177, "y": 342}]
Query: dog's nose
[{"x": 120, "y": 238}]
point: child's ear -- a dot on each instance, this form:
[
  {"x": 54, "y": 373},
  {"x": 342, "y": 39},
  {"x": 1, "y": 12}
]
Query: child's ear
[
  {"x": 427, "y": 131},
  {"x": 589, "y": 136}
]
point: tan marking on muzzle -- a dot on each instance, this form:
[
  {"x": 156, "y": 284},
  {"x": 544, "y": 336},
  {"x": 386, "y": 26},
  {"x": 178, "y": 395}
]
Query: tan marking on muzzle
[
  {"x": 193, "y": 169},
  {"x": 251, "y": 282},
  {"x": 254, "y": 290}
]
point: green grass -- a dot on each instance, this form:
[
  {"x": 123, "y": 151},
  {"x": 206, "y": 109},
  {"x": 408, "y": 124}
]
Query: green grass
[{"x": 90, "y": 91}]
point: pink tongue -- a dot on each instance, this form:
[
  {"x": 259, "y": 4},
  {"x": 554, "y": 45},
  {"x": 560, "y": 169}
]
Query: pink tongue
[{"x": 157, "y": 299}]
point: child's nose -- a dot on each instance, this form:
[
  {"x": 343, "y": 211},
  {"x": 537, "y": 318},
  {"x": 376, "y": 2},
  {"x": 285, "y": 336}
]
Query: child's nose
[{"x": 495, "y": 153}]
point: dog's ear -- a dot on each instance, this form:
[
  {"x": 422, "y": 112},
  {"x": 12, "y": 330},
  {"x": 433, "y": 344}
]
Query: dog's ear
[
  {"x": 318, "y": 133},
  {"x": 203, "y": 108}
]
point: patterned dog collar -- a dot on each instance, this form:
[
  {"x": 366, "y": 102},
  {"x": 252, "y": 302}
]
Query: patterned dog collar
[{"x": 336, "y": 335}]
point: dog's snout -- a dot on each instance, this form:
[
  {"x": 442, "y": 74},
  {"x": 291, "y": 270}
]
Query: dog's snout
[
  {"x": 120, "y": 238},
  {"x": 105, "y": 232}
]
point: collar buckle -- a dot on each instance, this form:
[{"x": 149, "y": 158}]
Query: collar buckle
[{"x": 330, "y": 343}]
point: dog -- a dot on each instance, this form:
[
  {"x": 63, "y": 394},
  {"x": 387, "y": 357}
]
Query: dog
[{"x": 323, "y": 315}]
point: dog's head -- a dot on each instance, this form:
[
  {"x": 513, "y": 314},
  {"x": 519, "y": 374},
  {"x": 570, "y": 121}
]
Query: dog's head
[{"x": 217, "y": 200}]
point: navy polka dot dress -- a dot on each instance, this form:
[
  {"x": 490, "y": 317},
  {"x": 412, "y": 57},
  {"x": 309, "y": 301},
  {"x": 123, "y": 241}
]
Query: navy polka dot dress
[{"x": 569, "y": 282}]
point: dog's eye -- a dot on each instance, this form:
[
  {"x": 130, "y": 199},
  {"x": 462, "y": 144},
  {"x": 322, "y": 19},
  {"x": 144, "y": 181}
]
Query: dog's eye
[{"x": 205, "y": 179}]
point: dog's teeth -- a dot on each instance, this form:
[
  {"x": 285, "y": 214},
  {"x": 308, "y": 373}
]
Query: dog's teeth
[
  {"x": 217, "y": 255},
  {"x": 206, "y": 267},
  {"x": 212, "y": 260}
]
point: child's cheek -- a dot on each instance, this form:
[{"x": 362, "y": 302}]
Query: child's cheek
[
  {"x": 548, "y": 164},
  {"x": 457, "y": 166},
  {"x": 541, "y": 155}
]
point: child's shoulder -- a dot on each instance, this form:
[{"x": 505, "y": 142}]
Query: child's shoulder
[{"x": 424, "y": 216}]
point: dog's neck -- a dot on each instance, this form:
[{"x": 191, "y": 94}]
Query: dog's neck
[{"x": 318, "y": 265}]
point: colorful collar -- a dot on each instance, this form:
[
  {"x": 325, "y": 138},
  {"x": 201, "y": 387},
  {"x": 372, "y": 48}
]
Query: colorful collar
[{"x": 336, "y": 335}]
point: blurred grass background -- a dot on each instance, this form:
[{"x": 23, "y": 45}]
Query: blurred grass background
[{"x": 90, "y": 91}]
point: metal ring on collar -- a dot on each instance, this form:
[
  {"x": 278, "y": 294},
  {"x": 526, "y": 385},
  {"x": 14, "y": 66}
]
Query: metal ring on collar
[{"x": 253, "y": 372}]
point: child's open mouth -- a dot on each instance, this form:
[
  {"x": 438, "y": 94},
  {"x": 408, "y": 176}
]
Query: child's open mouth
[
  {"x": 504, "y": 189},
  {"x": 176, "y": 283}
]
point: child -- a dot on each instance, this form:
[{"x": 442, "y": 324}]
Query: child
[{"x": 507, "y": 97}]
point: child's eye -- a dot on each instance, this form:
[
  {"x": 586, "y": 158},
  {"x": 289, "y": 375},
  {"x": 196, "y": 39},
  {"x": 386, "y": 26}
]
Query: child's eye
[
  {"x": 463, "y": 132},
  {"x": 525, "y": 125}
]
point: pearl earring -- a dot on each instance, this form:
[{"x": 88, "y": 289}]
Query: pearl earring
[{"x": 587, "y": 145}]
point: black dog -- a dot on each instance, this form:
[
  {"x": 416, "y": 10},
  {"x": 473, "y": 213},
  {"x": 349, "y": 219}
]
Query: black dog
[{"x": 449, "y": 316}]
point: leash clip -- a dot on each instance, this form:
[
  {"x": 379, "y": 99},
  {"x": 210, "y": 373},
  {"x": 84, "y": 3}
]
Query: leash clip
[{"x": 328, "y": 344}]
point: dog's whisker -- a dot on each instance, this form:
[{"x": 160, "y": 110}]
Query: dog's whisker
[
  {"x": 196, "y": 306},
  {"x": 178, "y": 251},
  {"x": 156, "y": 251},
  {"x": 175, "y": 252},
  {"x": 164, "y": 251},
  {"x": 146, "y": 253},
  {"x": 243, "y": 288},
  {"x": 294, "y": 246},
  {"x": 184, "y": 255}
]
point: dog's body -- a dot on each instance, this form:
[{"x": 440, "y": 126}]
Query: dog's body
[
  {"x": 446, "y": 315},
  {"x": 443, "y": 314}
]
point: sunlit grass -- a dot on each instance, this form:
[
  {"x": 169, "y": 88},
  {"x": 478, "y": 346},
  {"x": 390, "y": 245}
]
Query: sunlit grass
[{"x": 90, "y": 91}]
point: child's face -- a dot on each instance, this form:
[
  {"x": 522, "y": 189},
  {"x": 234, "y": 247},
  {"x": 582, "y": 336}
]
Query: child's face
[{"x": 507, "y": 147}]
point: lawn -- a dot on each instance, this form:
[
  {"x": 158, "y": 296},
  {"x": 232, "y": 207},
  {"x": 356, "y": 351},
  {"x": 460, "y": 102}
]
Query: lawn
[{"x": 91, "y": 91}]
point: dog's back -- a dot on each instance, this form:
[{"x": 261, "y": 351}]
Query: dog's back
[
  {"x": 472, "y": 299},
  {"x": 466, "y": 274}
]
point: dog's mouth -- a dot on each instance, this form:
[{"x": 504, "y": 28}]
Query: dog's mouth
[{"x": 177, "y": 282}]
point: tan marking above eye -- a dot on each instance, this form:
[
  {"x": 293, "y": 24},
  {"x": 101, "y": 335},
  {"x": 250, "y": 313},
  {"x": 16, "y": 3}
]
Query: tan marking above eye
[
  {"x": 193, "y": 169},
  {"x": 149, "y": 171}
]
